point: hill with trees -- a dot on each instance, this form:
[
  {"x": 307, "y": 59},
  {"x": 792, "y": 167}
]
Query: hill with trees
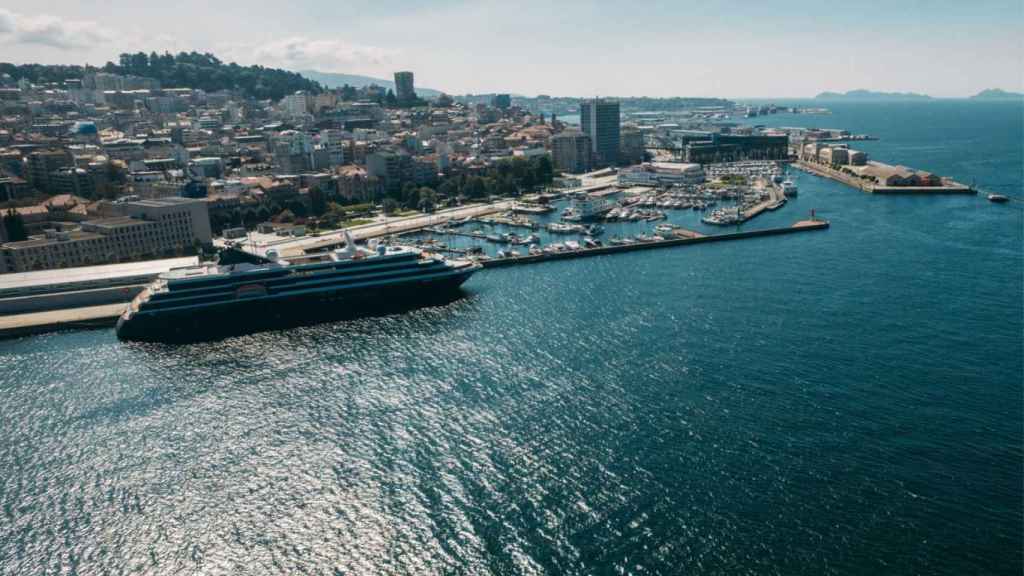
[{"x": 183, "y": 70}]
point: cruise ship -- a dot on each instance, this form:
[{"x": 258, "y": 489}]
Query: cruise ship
[{"x": 243, "y": 292}]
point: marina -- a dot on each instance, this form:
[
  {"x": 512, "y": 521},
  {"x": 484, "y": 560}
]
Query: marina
[{"x": 107, "y": 315}]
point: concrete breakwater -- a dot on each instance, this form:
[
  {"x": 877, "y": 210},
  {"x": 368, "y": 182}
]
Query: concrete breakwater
[{"x": 802, "y": 226}]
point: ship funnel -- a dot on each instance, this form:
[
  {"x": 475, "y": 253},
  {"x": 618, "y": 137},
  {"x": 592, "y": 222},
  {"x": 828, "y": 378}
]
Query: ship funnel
[{"x": 350, "y": 245}]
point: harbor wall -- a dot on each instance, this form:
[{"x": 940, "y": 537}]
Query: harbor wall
[
  {"x": 602, "y": 250},
  {"x": 73, "y": 299}
]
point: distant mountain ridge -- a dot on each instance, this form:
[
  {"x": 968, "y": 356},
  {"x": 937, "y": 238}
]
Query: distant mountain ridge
[
  {"x": 336, "y": 80},
  {"x": 997, "y": 94},
  {"x": 871, "y": 95}
]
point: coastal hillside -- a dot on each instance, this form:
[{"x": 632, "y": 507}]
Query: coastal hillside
[
  {"x": 997, "y": 94},
  {"x": 185, "y": 69}
]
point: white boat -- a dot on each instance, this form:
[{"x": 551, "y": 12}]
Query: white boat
[
  {"x": 788, "y": 188},
  {"x": 722, "y": 217},
  {"x": 559, "y": 228},
  {"x": 572, "y": 245}
]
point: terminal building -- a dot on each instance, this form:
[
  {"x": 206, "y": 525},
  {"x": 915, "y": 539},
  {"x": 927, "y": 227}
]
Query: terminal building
[
  {"x": 136, "y": 230},
  {"x": 661, "y": 174},
  {"x": 736, "y": 148}
]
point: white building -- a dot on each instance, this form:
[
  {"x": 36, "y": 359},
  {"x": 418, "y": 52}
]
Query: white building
[
  {"x": 661, "y": 174},
  {"x": 336, "y": 142},
  {"x": 298, "y": 104}
]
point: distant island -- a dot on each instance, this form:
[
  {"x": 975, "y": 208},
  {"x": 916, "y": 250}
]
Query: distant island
[
  {"x": 989, "y": 94},
  {"x": 997, "y": 94},
  {"x": 336, "y": 80},
  {"x": 871, "y": 95}
]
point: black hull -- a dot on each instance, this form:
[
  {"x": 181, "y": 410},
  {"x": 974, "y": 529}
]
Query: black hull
[{"x": 248, "y": 316}]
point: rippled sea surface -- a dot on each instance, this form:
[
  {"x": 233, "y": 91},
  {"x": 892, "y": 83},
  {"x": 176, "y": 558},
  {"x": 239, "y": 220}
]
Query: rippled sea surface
[{"x": 838, "y": 402}]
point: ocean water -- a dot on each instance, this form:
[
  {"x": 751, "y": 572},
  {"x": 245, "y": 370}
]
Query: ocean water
[{"x": 837, "y": 402}]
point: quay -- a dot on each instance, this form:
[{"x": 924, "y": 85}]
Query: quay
[
  {"x": 12, "y": 326},
  {"x": 948, "y": 185},
  {"x": 684, "y": 238},
  {"x": 102, "y": 316}
]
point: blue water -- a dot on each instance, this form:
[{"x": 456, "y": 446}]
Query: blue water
[{"x": 837, "y": 402}]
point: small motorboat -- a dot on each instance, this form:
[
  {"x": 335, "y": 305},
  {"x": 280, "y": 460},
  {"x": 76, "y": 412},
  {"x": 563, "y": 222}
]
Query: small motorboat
[{"x": 998, "y": 198}]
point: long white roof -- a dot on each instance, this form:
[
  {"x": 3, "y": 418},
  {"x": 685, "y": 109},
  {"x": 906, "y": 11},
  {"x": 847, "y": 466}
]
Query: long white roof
[{"x": 85, "y": 274}]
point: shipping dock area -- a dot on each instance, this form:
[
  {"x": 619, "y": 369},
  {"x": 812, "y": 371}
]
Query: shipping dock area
[
  {"x": 853, "y": 168},
  {"x": 106, "y": 315}
]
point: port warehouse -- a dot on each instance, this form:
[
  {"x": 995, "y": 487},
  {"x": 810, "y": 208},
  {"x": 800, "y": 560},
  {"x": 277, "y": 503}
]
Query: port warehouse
[{"x": 24, "y": 292}]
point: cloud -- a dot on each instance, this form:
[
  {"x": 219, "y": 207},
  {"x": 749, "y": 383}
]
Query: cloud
[
  {"x": 300, "y": 53},
  {"x": 52, "y": 31}
]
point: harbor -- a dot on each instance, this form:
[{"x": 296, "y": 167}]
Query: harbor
[
  {"x": 682, "y": 238},
  {"x": 592, "y": 219},
  {"x": 104, "y": 316}
]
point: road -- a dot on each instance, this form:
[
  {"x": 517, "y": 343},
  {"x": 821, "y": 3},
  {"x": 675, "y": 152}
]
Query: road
[{"x": 384, "y": 226}]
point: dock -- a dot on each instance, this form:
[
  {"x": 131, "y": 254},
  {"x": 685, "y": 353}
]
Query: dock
[
  {"x": 948, "y": 187},
  {"x": 104, "y": 316},
  {"x": 683, "y": 238}
]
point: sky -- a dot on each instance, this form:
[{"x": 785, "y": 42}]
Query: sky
[{"x": 734, "y": 49}]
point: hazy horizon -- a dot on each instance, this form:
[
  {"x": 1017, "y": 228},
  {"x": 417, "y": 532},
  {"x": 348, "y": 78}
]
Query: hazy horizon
[{"x": 656, "y": 49}]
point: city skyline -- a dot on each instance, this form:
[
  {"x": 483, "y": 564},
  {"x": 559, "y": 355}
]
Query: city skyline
[{"x": 678, "y": 49}]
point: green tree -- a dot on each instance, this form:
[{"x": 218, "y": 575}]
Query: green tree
[
  {"x": 15, "y": 226},
  {"x": 543, "y": 171},
  {"x": 527, "y": 181},
  {"x": 507, "y": 186},
  {"x": 317, "y": 200},
  {"x": 251, "y": 218},
  {"x": 297, "y": 207},
  {"x": 410, "y": 195},
  {"x": 390, "y": 206},
  {"x": 475, "y": 187},
  {"x": 427, "y": 199}
]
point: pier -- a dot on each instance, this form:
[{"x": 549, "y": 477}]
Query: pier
[
  {"x": 103, "y": 316},
  {"x": 683, "y": 238},
  {"x": 948, "y": 186}
]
